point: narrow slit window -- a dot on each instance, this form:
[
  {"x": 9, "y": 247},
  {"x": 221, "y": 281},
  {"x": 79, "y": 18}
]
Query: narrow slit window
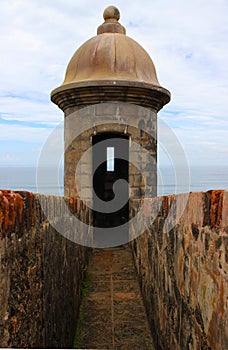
[{"x": 110, "y": 158}]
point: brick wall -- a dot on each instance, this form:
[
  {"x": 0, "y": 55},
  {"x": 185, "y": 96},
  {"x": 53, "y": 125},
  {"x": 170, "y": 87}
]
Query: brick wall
[
  {"x": 40, "y": 271},
  {"x": 184, "y": 272}
]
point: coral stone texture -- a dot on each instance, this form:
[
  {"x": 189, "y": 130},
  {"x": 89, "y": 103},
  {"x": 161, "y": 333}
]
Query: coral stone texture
[
  {"x": 168, "y": 288},
  {"x": 184, "y": 272},
  {"x": 110, "y": 68},
  {"x": 40, "y": 273}
]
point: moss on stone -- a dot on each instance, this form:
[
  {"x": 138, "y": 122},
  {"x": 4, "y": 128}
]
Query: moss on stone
[{"x": 78, "y": 341}]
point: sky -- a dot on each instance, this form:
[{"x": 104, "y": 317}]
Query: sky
[{"x": 187, "y": 41}]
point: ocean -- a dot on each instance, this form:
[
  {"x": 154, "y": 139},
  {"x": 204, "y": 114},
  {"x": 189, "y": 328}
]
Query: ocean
[{"x": 202, "y": 178}]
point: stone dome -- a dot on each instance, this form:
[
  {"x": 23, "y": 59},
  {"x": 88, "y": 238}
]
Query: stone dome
[
  {"x": 111, "y": 55},
  {"x": 110, "y": 67}
]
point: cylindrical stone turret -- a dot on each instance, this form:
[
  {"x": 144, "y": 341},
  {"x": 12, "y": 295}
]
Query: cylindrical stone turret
[{"x": 110, "y": 88}]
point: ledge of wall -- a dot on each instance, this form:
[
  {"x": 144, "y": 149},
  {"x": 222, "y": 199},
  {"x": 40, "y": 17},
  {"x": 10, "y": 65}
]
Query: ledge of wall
[
  {"x": 40, "y": 271},
  {"x": 184, "y": 271}
]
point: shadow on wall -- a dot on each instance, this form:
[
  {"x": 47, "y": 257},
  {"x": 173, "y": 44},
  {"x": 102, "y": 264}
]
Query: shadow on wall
[
  {"x": 41, "y": 273},
  {"x": 184, "y": 273}
]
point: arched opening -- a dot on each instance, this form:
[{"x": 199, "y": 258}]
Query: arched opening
[{"x": 110, "y": 186}]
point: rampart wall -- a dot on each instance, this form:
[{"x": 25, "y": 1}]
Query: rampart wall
[
  {"x": 181, "y": 259},
  {"x": 40, "y": 271},
  {"x": 183, "y": 270}
]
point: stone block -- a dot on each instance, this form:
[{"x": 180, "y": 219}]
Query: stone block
[
  {"x": 183, "y": 272},
  {"x": 41, "y": 272}
]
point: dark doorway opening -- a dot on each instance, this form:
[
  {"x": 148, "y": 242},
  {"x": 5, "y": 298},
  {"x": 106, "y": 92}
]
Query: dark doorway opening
[{"x": 110, "y": 185}]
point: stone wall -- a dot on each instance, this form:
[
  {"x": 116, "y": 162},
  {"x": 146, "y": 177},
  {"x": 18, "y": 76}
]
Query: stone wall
[
  {"x": 139, "y": 123},
  {"x": 40, "y": 270},
  {"x": 183, "y": 270},
  {"x": 181, "y": 259}
]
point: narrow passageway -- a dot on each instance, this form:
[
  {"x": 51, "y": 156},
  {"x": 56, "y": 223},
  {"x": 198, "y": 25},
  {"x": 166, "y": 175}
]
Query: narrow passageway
[{"x": 113, "y": 312}]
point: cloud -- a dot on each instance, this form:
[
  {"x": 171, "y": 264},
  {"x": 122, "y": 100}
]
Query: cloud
[
  {"x": 24, "y": 134},
  {"x": 186, "y": 40},
  {"x": 29, "y": 108}
]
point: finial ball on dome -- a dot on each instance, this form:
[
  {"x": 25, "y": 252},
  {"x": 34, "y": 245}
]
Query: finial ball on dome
[{"x": 111, "y": 12}]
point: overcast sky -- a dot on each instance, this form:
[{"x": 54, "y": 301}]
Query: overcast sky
[{"x": 187, "y": 40}]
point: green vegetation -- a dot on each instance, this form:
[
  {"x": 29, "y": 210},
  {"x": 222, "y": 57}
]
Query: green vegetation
[{"x": 84, "y": 292}]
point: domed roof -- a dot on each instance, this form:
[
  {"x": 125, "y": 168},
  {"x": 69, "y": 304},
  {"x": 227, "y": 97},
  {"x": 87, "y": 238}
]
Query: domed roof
[
  {"x": 111, "y": 55},
  {"x": 110, "y": 67}
]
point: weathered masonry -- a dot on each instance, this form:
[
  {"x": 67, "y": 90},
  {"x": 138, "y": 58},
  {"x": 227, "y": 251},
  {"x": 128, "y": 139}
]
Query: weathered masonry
[
  {"x": 183, "y": 274},
  {"x": 41, "y": 272},
  {"x": 110, "y": 98}
]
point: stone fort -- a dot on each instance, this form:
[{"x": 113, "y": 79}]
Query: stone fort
[{"x": 110, "y": 265}]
